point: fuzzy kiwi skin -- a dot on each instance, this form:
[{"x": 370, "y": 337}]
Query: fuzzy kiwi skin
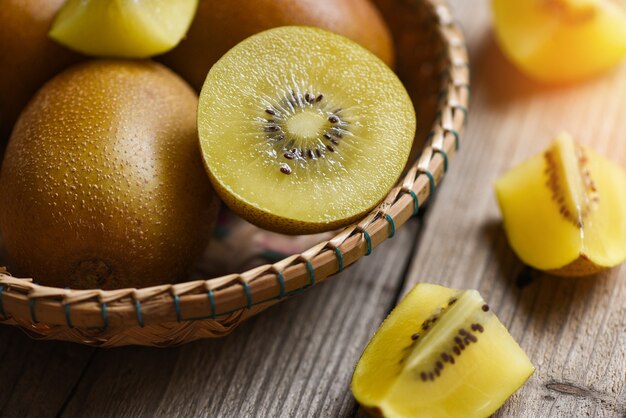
[
  {"x": 102, "y": 183},
  {"x": 28, "y": 58},
  {"x": 220, "y": 25}
]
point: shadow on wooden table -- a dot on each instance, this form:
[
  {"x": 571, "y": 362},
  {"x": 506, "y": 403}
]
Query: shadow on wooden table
[{"x": 526, "y": 282}]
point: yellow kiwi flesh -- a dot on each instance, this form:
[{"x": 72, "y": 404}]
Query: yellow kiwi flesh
[
  {"x": 303, "y": 130},
  {"x": 441, "y": 353},
  {"x": 28, "y": 58},
  {"x": 564, "y": 210},
  {"x": 220, "y": 25},
  {"x": 123, "y": 28},
  {"x": 102, "y": 181}
]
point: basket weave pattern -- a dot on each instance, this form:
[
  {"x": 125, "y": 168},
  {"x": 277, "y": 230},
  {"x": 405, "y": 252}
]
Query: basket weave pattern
[{"x": 174, "y": 314}]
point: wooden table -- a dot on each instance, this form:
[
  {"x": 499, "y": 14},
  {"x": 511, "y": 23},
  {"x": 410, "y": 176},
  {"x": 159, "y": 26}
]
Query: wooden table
[{"x": 296, "y": 359}]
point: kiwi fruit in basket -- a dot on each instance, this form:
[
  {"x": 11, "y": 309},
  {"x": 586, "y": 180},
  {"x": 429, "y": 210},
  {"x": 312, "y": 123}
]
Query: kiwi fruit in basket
[
  {"x": 441, "y": 353},
  {"x": 303, "y": 130},
  {"x": 28, "y": 58},
  {"x": 123, "y": 28},
  {"x": 102, "y": 182},
  {"x": 219, "y": 25}
]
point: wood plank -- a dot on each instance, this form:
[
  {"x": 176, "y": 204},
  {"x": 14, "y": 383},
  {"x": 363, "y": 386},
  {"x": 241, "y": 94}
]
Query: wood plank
[
  {"x": 572, "y": 329},
  {"x": 37, "y": 377},
  {"x": 296, "y": 359}
]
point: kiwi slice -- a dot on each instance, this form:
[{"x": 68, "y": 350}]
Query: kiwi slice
[
  {"x": 441, "y": 353},
  {"x": 303, "y": 130},
  {"x": 123, "y": 28}
]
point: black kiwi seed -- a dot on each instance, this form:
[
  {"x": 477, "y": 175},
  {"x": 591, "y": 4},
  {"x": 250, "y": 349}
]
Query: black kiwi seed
[
  {"x": 319, "y": 98},
  {"x": 270, "y": 112},
  {"x": 458, "y": 340},
  {"x": 308, "y": 98},
  {"x": 415, "y": 336},
  {"x": 310, "y": 154},
  {"x": 451, "y": 360},
  {"x": 337, "y": 134},
  {"x": 329, "y": 148},
  {"x": 463, "y": 332},
  {"x": 334, "y": 141},
  {"x": 333, "y": 119},
  {"x": 423, "y": 376},
  {"x": 431, "y": 376},
  {"x": 437, "y": 372},
  {"x": 289, "y": 156},
  {"x": 272, "y": 128},
  {"x": 485, "y": 307},
  {"x": 472, "y": 338},
  {"x": 456, "y": 350},
  {"x": 285, "y": 169},
  {"x": 479, "y": 328},
  {"x": 452, "y": 301},
  {"x": 318, "y": 153},
  {"x": 445, "y": 357},
  {"x": 327, "y": 136},
  {"x": 438, "y": 365}
]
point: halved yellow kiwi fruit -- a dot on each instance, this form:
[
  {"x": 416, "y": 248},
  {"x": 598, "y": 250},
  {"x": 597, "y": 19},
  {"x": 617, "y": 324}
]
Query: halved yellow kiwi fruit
[
  {"x": 564, "y": 210},
  {"x": 303, "y": 130},
  {"x": 123, "y": 28},
  {"x": 441, "y": 353}
]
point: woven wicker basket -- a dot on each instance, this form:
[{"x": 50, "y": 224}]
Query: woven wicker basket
[{"x": 432, "y": 62}]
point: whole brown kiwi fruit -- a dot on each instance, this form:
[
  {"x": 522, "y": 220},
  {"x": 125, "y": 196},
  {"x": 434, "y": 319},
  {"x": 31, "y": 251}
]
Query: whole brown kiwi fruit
[
  {"x": 102, "y": 182},
  {"x": 28, "y": 58},
  {"x": 219, "y": 25}
]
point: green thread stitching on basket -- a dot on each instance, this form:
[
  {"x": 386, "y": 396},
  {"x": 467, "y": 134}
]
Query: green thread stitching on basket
[
  {"x": 368, "y": 241},
  {"x": 309, "y": 267},
  {"x": 431, "y": 180},
  {"x": 33, "y": 316},
  {"x": 68, "y": 320},
  {"x": 457, "y": 139},
  {"x": 281, "y": 285},
  {"x": 4, "y": 315},
  {"x": 246, "y": 288},
  {"x": 445, "y": 158},
  {"x": 212, "y": 303},
  {"x": 339, "y": 259},
  {"x": 177, "y": 307},
  {"x": 416, "y": 202},
  {"x": 139, "y": 313},
  {"x": 392, "y": 225},
  {"x": 105, "y": 318}
]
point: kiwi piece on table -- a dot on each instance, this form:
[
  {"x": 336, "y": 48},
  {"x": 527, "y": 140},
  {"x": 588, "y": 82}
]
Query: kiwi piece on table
[
  {"x": 441, "y": 353},
  {"x": 303, "y": 130},
  {"x": 102, "y": 181},
  {"x": 123, "y": 28}
]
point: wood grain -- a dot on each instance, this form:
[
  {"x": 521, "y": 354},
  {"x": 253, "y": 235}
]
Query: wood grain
[
  {"x": 37, "y": 377},
  {"x": 294, "y": 360},
  {"x": 574, "y": 330}
]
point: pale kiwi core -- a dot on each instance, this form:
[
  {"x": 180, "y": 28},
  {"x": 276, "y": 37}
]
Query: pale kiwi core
[{"x": 303, "y": 130}]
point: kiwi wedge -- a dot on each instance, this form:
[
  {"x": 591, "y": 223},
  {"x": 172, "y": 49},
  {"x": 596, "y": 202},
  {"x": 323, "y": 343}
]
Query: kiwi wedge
[
  {"x": 303, "y": 130},
  {"x": 441, "y": 353},
  {"x": 123, "y": 28}
]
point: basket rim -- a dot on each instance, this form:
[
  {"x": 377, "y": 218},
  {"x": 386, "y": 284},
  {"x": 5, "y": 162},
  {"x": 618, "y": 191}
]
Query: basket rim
[{"x": 230, "y": 298}]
